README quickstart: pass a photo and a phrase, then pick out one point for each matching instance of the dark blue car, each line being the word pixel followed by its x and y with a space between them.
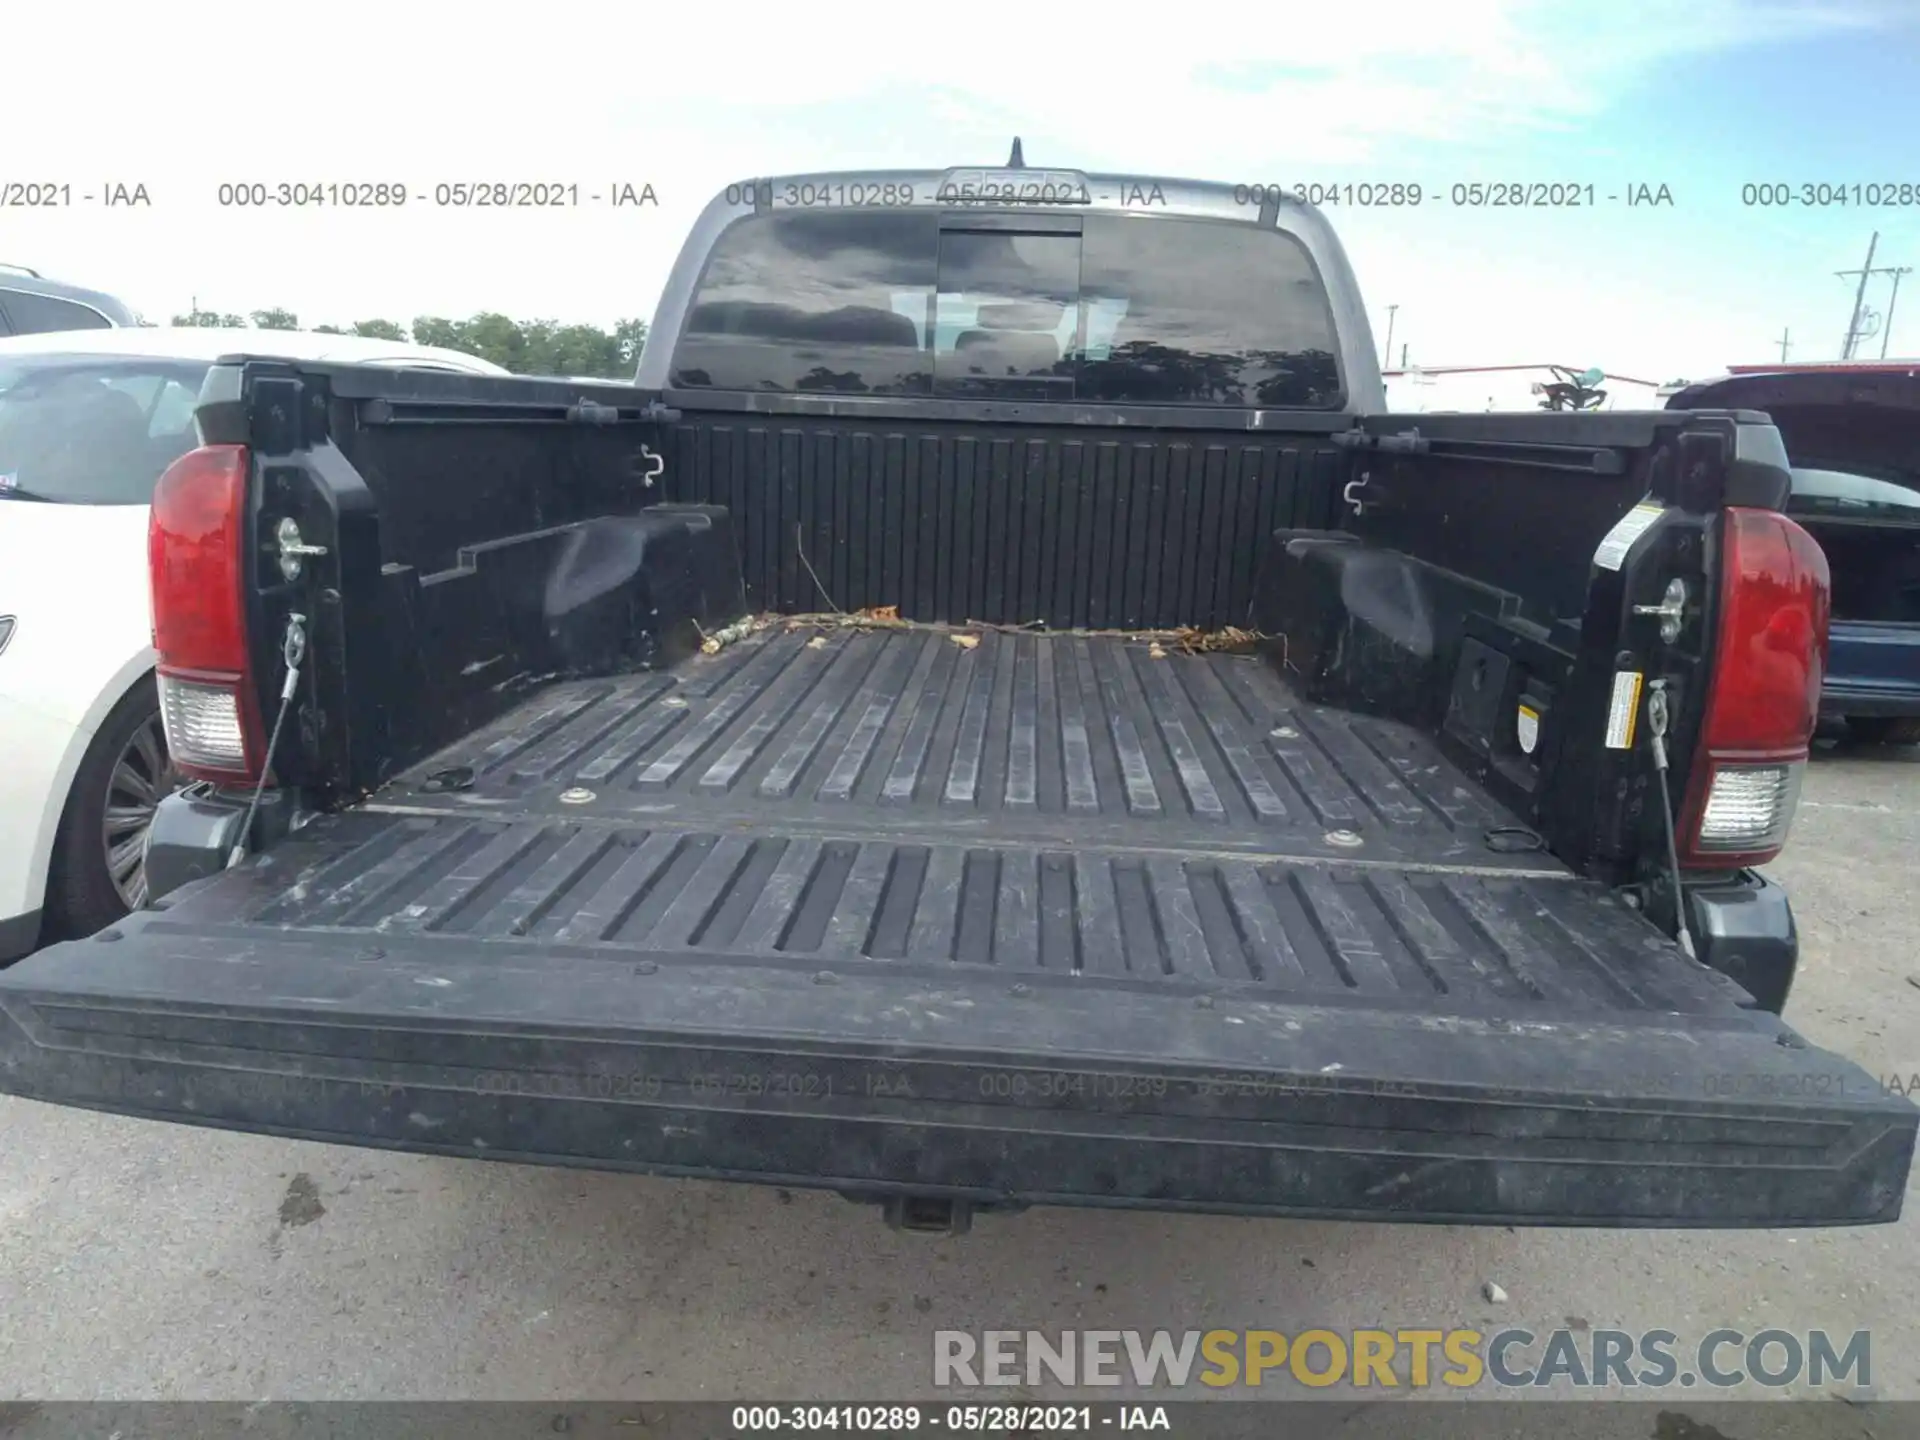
pixel 1852 433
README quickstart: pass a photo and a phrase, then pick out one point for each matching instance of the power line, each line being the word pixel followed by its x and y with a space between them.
pixel 1887 332
pixel 1857 328
pixel 1859 296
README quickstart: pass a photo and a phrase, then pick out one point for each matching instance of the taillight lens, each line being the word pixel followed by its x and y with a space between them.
pixel 194 558
pixel 1748 809
pixel 204 726
pixel 1765 697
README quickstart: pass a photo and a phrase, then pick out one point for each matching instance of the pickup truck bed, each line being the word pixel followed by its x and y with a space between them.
pixel 1036 895
pixel 1375 922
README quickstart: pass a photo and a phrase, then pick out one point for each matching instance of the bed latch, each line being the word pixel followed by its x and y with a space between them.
pixel 656 464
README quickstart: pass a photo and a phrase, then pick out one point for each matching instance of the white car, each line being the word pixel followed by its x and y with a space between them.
pixel 88 420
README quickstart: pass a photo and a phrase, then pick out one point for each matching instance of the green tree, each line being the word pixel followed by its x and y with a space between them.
pixel 578 350
pixel 437 330
pixel 505 342
pixel 209 320
pixel 536 348
pixel 526 347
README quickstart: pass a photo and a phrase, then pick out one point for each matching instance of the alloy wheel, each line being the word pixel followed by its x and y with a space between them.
pixel 142 776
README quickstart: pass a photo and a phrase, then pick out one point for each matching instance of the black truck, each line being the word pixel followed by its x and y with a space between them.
pixel 994 715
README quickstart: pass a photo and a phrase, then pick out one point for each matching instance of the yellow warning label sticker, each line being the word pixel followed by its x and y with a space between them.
pixel 1624 711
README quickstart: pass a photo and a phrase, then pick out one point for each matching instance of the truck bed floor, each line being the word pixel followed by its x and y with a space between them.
pixel 1065 808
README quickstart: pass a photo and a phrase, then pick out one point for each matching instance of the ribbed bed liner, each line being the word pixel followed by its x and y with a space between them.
pixel 1067 740
pixel 1068 809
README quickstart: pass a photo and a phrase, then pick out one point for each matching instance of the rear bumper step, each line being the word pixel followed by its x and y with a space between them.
pixel 890 1085
pixel 1892 698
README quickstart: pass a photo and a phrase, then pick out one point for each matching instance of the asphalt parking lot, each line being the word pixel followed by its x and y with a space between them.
pixel 144 1260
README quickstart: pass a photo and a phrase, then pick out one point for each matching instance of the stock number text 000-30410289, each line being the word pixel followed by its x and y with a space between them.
pixel 442 195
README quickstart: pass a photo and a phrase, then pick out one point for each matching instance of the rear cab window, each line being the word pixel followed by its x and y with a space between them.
pixel 1848 493
pixel 1866 517
pixel 835 302
pixel 1096 308
pixel 93 430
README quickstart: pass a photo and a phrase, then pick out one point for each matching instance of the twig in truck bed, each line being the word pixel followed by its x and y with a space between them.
pixel 800 546
pixel 1186 640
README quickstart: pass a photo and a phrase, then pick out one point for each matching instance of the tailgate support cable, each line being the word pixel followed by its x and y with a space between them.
pixel 1657 739
pixel 293 650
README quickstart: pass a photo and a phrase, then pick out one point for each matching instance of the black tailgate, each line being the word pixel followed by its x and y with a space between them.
pixel 1342 1079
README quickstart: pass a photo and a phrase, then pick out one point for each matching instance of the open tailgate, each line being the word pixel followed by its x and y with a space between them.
pixel 736 1024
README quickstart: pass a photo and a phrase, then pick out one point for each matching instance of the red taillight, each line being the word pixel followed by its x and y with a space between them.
pixel 194 559
pixel 1765 698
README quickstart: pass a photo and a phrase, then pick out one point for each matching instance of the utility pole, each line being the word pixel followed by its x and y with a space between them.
pixel 1785 344
pixel 1887 329
pixel 1392 311
pixel 1859 298
pixel 1856 325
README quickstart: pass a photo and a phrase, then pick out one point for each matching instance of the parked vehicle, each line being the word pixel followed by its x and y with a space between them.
pixel 1852 433
pixel 31 304
pixel 1480 389
pixel 88 421
pixel 513 834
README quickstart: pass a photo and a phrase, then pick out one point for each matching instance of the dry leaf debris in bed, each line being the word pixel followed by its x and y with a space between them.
pixel 1188 640
pixel 1192 640
pixel 874 617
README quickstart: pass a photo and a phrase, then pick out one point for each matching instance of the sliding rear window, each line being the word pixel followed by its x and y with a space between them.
pixel 1850 493
pixel 1107 309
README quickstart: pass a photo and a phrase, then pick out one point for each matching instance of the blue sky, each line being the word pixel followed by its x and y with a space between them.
pixel 1702 97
